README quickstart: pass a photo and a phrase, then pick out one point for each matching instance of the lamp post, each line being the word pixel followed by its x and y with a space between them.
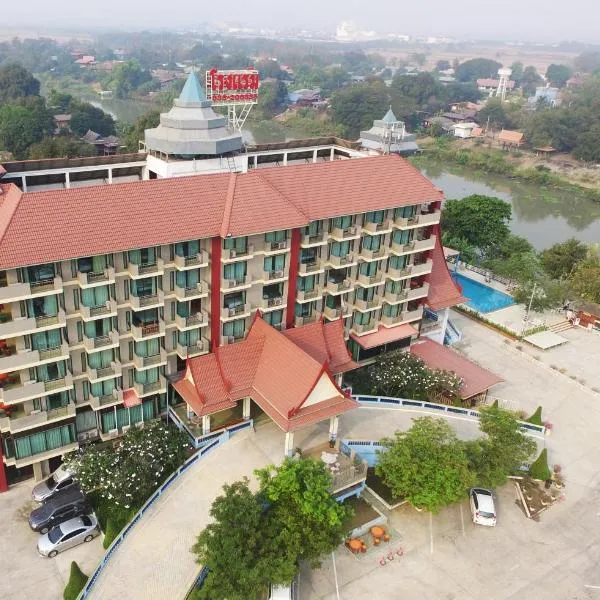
pixel 526 318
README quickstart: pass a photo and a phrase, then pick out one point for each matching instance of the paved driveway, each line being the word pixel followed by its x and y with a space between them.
pixel 25 574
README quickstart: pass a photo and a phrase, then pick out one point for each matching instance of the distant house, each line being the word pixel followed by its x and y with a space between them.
pixel 510 139
pixel 61 123
pixel 446 79
pixel 490 85
pixel 464 116
pixel 305 97
pixel 86 61
pixel 389 135
pixel 105 146
pixel 464 130
pixel 166 77
pixel 447 124
pixel 588 316
pixel 550 95
pixel 576 81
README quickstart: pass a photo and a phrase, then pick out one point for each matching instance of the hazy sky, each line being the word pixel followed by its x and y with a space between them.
pixel 507 19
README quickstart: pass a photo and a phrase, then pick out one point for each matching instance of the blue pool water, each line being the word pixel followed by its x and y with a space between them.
pixel 482 298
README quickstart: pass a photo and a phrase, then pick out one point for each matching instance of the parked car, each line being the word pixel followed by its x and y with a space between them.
pixel 482 507
pixel 59 508
pixel 61 479
pixel 68 534
pixel 285 592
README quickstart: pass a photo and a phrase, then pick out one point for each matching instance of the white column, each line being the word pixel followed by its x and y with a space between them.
pixel 332 153
pixel 190 413
pixel 38 472
pixel 110 176
pixel 315 155
pixel 205 424
pixel 338 379
pixel 255 157
pixel 289 443
pixel 67 180
pixel 24 183
pixel 333 427
pixel 246 407
pixel 285 156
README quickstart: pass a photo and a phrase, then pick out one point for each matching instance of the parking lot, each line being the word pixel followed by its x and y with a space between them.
pixel 25 573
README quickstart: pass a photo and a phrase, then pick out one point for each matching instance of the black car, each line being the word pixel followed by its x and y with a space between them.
pixel 61 507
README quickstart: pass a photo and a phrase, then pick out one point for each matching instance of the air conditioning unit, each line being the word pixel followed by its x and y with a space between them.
pixel 230 339
pixel 349 257
pixel 126 428
pixel 346 283
pixel 352 230
pixel 113 432
pixel 232 253
pixel 107 305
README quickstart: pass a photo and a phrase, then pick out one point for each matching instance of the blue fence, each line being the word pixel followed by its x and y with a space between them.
pixel 223 437
pixel 387 402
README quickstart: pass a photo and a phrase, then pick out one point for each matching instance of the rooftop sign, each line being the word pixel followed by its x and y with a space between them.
pixel 232 87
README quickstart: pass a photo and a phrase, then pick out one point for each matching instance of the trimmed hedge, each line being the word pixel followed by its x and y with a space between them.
pixel 77 579
pixel 539 469
pixel 536 417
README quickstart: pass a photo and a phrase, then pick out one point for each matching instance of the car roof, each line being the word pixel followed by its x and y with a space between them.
pixel 485 500
pixel 72 525
pixel 70 494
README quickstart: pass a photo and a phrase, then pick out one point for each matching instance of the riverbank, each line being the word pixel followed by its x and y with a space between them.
pixel 513 165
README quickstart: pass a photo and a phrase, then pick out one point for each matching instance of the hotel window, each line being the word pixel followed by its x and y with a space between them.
pixel 341 222
pixel 147 348
pixel 143 287
pixel 39 273
pixel 148 376
pixel 275 236
pixel 92 264
pixel 235 271
pixel 275 290
pixel 340 248
pixel 398 262
pixel 372 242
pixel 144 256
pixel 308 256
pixel 235 329
pixel 405 212
pixel 145 317
pixel 95 297
pixel 189 338
pixel 102 388
pixel 394 287
pixel 188 279
pixel 46 340
pixel 402 237
pixel 360 318
pixel 274 263
pixel 392 310
pixel 187 249
pixel 44 441
pixel 365 294
pixel 49 372
pixel 240 244
pixel 274 318
pixel 101 360
pixel 375 216
pixel 314 228
pixel 46 306
pixel 368 269
pixel 234 300
pixel 306 284
pixel 304 310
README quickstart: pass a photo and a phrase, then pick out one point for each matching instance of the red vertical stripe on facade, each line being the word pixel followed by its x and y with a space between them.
pixel 3 481
pixel 215 294
pixel 292 281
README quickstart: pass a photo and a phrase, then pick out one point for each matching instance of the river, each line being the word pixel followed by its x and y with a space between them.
pixel 542 215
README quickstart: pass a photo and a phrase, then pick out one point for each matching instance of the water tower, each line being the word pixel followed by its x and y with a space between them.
pixel 503 83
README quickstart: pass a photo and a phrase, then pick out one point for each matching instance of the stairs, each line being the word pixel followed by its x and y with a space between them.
pixel 562 326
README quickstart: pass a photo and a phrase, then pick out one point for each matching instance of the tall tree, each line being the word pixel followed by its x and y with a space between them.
pixel 586 278
pixel 560 260
pixel 133 134
pixel 23 124
pixel 477 68
pixel 60 146
pixel 85 116
pixel 427 465
pixel 17 82
pixel 480 220
pixel 494 111
pixel 356 107
pixel 517 72
pixel 558 75
pixel 531 80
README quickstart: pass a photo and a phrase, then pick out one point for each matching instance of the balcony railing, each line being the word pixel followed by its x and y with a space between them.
pixel 30 389
pixel 231 312
pixel 337 233
pixel 236 282
pixel 363 328
pixel 108 309
pixel 384 226
pixel 92 279
pixel 404 317
pixel 270 247
pixel 195 261
pixel 146 270
pixel 414 246
pixel 101 342
pixel 146 362
pixel 268 303
pixel 273 275
pixel 22 421
pixel 421 220
pixel 102 373
pixel 233 339
pixel 368 254
pixel 313 266
pixel 314 240
pixel 202 346
pixel 305 295
pixel 336 313
pixel 233 254
pixel 410 270
pixel 200 290
pixel 300 321
pixel 340 287
pixel 148 330
pixel 23 325
pixel 98 402
pixel 147 389
pixel 30 358
pixel 20 291
pixel 150 301
pixel 369 280
pixel 198 319
pixel 341 261
pixel 367 304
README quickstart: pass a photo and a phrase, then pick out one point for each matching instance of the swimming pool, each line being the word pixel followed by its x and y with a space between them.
pixel 482 298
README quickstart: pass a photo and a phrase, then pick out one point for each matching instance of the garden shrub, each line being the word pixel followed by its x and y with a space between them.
pixel 536 417
pixel 539 469
pixel 77 579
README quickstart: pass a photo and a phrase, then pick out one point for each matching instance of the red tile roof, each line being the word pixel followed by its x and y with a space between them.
pixel 101 219
pixel 476 379
pixel 269 367
pixel 130 398
pixel 384 335
pixel 443 291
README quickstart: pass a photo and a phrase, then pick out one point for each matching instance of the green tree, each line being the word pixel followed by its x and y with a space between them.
pixel 517 72
pixel 521 267
pixel 427 465
pixel 86 117
pixel 17 82
pixel 356 107
pixel 418 58
pixel 272 97
pixel 477 68
pixel 531 80
pixel 61 146
pixel 133 134
pixel 494 111
pixel 539 468
pixel 560 260
pixel 442 65
pixel 419 90
pixel 126 77
pixel 587 62
pixel 542 293
pixel 23 124
pixel 587 147
pixel 480 220
pixel 59 101
pixel 586 278
pixel 502 451
pixel 76 583
pixel 127 474
pixel 558 75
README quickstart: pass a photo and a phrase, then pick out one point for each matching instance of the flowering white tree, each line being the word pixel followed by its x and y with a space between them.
pixel 128 472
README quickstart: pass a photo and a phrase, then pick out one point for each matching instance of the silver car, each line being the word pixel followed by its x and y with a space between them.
pixel 68 534
pixel 60 480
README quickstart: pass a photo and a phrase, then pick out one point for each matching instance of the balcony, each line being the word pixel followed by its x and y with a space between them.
pixel 102 342
pixel 229 255
pixel 417 292
pixel 24 325
pixel 90 313
pixel 147 389
pixel 275 247
pixel 309 295
pixel 237 283
pixel 422 220
pixel 19 420
pixel 370 280
pixel 338 262
pixel 153 270
pixel 148 330
pixel 24 359
pixel 414 246
pixel 268 304
pixel 363 328
pixel 200 290
pixel 104 373
pixel 318 239
pixel 404 317
pixel 236 312
pixel 20 392
pixel 143 302
pixel 147 362
pixel 337 313
pixel 300 321
pixel 199 319
pixel 367 305
pixel 347 233
pixel 202 346
pixel 14 292
pixel 339 287
pixel 379 228
pixel 410 271
pixel 272 276
pixel 199 260
pixel 233 339
pixel 310 268
pixel 98 402
pixel 370 255
pixel 93 279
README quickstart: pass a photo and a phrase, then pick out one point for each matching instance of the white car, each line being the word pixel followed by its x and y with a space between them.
pixel 68 534
pixel 61 479
pixel 482 507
